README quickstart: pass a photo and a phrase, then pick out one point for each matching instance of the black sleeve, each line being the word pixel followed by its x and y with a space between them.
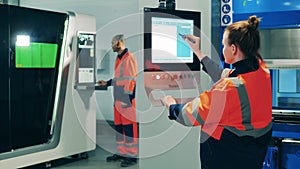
pixel 175 113
pixel 213 69
pixel 109 82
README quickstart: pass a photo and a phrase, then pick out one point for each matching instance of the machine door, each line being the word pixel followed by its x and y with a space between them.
pixel 29 65
pixel 4 84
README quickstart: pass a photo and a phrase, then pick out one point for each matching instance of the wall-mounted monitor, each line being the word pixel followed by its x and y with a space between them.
pixel 164 47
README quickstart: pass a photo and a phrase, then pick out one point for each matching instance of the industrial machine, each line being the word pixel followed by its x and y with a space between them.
pixel 280 34
pixel 169 63
pixel 170 68
pixel 283 58
pixel 47 88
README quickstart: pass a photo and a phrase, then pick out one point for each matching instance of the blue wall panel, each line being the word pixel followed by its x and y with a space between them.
pixel 249 6
pixel 274 13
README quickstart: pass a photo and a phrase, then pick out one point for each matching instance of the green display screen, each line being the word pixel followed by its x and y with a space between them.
pixel 36 55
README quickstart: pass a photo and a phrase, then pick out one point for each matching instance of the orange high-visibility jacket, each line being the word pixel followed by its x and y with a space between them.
pixel 125 74
pixel 242 105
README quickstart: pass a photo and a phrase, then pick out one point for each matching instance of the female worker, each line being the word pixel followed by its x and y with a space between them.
pixel 236 113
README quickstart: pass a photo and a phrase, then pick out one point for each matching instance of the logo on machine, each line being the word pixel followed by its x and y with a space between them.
pixel 173 86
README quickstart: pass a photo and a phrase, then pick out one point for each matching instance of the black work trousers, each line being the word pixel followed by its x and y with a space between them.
pixel 233 152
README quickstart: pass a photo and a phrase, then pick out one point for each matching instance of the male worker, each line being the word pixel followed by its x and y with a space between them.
pixel 124 82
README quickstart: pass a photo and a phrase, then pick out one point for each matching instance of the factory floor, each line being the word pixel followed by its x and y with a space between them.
pixel 105 139
pixel 96 159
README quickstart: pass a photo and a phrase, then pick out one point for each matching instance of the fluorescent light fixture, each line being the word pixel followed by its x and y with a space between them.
pixel 23 40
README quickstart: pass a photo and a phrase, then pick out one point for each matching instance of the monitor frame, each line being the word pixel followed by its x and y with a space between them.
pixel 175 14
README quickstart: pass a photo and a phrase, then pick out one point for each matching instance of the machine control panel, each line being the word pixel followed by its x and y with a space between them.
pixel 172 77
pixel 85 67
pixel 182 85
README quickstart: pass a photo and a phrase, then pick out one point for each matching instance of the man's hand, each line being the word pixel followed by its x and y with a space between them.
pixel 102 83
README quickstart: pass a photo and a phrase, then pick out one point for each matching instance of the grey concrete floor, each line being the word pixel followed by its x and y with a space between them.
pixel 96 160
pixel 106 146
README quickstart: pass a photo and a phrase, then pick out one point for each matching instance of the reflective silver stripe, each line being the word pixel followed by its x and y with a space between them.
pixel 195 113
pixel 246 114
pixel 225 72
pixel 121 66
pixel 244 103
pixel 186 120
pixel 131 145
pixel 127 92
pixel 131 155
pixel 124 78
pixel 121 69
pixel 120 144
pixel 254 133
